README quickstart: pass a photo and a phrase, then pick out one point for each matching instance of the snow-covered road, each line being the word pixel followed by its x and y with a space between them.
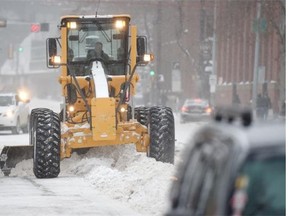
pixel 68 195
pixel 105 181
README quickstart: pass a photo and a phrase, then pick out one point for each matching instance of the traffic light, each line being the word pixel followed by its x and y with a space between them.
pixel 44 27
pixel 152 73
pixel 35 27
pixel 20 49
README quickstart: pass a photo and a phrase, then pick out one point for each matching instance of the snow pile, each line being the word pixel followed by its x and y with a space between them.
pixel 120 173
pixel 24 168
pixel 125 175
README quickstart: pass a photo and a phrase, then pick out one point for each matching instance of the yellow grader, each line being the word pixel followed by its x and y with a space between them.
pixel 98 89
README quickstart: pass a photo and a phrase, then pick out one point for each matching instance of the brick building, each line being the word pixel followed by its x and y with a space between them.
pixel 187 38
pixel 236 28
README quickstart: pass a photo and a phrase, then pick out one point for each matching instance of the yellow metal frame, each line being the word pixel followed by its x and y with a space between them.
pixel 108 127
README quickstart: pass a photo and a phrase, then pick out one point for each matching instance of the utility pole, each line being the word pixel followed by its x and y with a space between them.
pixel 213 76
pixel 155 91
pixel 256 58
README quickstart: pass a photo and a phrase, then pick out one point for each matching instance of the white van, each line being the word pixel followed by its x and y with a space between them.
pixel 14 113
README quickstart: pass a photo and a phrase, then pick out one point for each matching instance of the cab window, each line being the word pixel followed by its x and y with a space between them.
pixel 207 163
pixel 82 43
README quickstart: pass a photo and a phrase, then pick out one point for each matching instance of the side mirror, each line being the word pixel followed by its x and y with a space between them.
pixel 141 45
pixel 51 53
pixel 52 47
pixel 142 57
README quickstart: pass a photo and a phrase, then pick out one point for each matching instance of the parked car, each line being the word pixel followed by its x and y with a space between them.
pixel 232 169
pixel 195 109
pixel 14 112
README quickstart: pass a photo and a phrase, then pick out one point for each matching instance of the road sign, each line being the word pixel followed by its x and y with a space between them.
pixel 212 79
pixel 261 74
pixel 212 82
pixel 161 78
pixel 176 81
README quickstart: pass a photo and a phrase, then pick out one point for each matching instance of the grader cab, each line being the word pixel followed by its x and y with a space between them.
pixel 98 89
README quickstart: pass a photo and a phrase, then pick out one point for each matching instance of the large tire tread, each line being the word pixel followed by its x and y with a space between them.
pixel 34 113
pixel 162 134
pixel 45 135
pixel 141 115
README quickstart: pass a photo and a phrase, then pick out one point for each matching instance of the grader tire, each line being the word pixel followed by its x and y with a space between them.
pixel 141 115
pixel 162 134
pixel 34 113
pixel 45 135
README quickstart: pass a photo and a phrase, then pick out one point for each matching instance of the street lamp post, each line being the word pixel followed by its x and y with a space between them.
pixel 256 58
pixel 213 76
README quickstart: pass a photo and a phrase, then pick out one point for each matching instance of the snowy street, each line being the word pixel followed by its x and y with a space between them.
pixel 60 196
pixel 105 181
pixel 142 107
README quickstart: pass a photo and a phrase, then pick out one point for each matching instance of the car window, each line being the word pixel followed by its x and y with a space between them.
pixel 221 154
pixel 6 101
pixel 264 188
pixel 204 177
pixel 196 102
pixel 193 178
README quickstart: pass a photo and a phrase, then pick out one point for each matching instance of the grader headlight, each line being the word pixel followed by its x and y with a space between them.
pixel 123 109
pixel 72 25
pixel 120 24
pixel 148 57
pixel 71 109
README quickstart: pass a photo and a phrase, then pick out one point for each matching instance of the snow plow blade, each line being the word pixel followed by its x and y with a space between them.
pixel 11 155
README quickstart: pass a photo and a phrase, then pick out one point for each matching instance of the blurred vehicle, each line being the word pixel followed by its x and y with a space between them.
pixel 232 169
pixel 195 109
pixel 14 112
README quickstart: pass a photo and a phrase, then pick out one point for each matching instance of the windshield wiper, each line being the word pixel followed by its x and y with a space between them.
pixel 103 32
